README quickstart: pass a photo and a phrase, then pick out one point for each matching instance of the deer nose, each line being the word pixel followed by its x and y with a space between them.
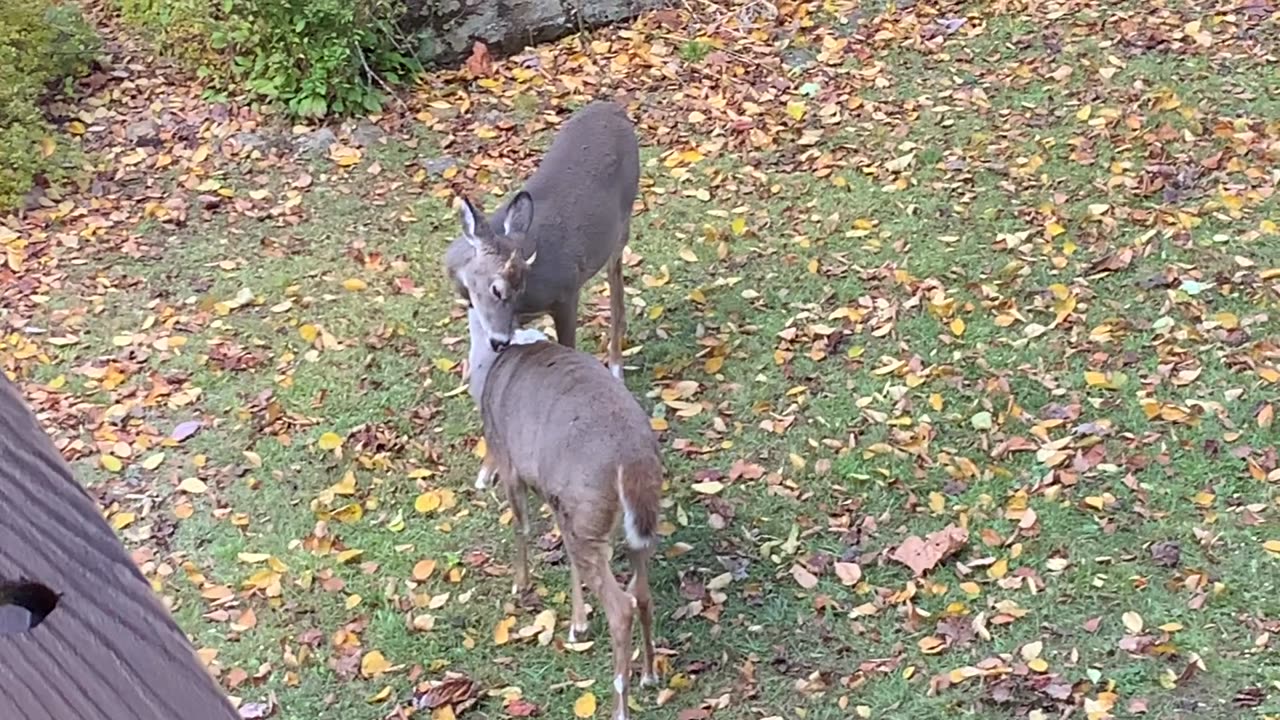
pixel 499 343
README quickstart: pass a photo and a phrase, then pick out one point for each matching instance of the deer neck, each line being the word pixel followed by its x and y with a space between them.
pixel 480 359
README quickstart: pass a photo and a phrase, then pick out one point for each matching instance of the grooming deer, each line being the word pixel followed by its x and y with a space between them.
pixel 556 419
pixel 533 255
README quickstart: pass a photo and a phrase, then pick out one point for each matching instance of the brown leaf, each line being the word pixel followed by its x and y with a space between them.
pixel 1166 553
pixel 849 573
pixel 453 691
pixel 807 580
pixel 924 555
pixel 479 64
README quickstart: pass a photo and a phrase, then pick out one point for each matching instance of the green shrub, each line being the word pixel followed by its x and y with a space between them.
pixel 40 44
pixel 315 57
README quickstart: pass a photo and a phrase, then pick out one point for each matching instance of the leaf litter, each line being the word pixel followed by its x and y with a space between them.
pixel 1088 322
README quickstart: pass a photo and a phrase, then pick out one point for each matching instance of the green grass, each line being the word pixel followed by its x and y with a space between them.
pixel 864 430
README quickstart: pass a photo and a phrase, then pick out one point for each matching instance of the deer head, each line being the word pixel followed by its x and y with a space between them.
pixel 492 278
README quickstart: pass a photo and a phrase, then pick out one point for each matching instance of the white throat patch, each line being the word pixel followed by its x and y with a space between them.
pixel 527 336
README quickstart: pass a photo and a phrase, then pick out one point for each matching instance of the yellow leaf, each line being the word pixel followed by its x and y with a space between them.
pixel 373 664
pixel 1272 546
pixel 502 631
pixel 347 556
pixel 111 463
pixel 349 513
pixel 381 696
pixel 153 461
pixel 427 502
pixel 1095 379
pixel 935 402
pixel 444 364
pixel 796 110
pixel 309 332
pixel 195 486
pixel 709 487
pixel 998 569
pixel 330 441
pixel 1083 113
pixel 1038 665
pixel 957 327
pixel 738 226
pixel 661 279
pixel 120 521
pixel 201 154
pixel 47 146
pixel 481 449
pixel 687 255
pixel 585 706
pixel 354 284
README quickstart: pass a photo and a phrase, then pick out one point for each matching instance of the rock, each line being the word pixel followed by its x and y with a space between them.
pixel 449 27
pixel 315 142
pixel 794 57
pixel 437 165
pixel 367 134
pixel 250 140
pixel 143 132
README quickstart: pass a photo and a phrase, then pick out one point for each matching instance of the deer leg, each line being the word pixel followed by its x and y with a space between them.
pixel 578 625
pixel 644 608
pixel 487 470
pixel 593 556
pixel 617 315
pixel 519 499
pixel 565 316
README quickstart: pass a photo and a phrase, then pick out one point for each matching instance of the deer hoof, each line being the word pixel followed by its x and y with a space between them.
pixel 648 680
pixel 616 369
pixel 483 477
pixel 577 633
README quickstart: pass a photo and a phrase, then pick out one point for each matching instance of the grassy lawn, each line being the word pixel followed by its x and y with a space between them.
pixel 1013 268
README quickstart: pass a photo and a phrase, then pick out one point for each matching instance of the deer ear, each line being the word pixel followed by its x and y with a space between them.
pixel 519 214
pixel 472 218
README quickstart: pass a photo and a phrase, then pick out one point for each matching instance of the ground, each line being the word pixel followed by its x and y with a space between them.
pixel 1004 272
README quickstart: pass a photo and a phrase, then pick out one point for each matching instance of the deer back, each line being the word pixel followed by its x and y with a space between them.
pixel 564 423
pixel 583 192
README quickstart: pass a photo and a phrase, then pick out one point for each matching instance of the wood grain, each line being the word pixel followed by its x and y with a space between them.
pixel 109 649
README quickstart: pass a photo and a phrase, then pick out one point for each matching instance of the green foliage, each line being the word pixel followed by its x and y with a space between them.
pixel 695 51
pixel 40 44
pixel 315 57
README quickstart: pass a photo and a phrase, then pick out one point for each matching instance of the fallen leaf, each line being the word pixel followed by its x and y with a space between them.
pixel 373 664
pixel 922 555
pixel 807 580
pixel 585 706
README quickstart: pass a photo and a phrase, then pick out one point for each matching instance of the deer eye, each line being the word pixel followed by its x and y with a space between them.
pixel 497 293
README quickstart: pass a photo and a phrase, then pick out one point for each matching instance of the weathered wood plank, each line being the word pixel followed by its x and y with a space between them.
pixel 108 649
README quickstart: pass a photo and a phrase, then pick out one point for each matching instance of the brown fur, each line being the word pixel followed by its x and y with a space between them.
pixel 556 420
pixel 575 218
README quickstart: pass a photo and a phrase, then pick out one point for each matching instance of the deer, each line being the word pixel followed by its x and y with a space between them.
pixel 532 256
pixel 555 420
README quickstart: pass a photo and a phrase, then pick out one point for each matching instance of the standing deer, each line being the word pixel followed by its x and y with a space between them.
pixel 533 255
pixel 555 419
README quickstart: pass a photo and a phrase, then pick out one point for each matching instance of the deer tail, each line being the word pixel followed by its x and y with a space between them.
pixel 639 491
